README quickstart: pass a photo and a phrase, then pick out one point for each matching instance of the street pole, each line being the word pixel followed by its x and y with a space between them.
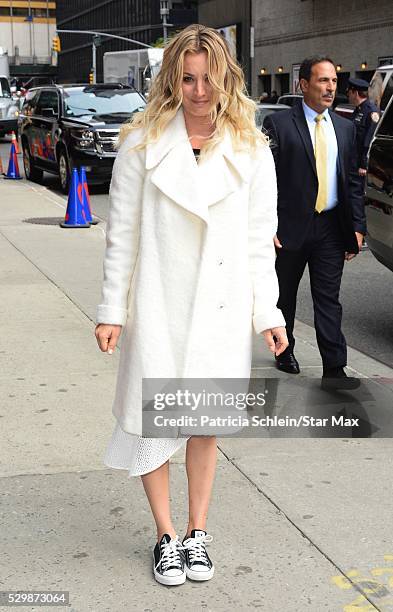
pixel 252 48
pixel 165 30
pixel 164 12
pixel 94 62
pixel 136 42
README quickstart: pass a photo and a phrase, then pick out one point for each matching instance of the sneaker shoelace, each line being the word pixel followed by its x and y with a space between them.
pixel 196 548
pixel 170 555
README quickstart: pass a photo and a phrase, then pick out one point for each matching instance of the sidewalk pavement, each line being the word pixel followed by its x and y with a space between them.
pixel 298 524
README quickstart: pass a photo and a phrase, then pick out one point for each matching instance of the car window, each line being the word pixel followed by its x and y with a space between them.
pixel 290 100
pixel 386 127
pixel 48 99
pixel 5 91
pixel 387 94
pixel 262 113
pixel 376 86
pixel 30 102
pixel 82 101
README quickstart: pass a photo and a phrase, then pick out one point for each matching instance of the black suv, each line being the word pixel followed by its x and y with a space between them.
pixel 379 190
pixel 66 126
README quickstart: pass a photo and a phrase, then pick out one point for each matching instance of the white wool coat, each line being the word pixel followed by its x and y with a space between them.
pixel 189 262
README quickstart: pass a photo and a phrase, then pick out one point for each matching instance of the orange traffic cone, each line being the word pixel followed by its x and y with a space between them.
pixel 15 141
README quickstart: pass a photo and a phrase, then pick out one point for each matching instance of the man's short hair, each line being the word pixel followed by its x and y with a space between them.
pixel 307 64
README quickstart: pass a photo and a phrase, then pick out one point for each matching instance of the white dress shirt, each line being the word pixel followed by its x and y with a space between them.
pixel 327 126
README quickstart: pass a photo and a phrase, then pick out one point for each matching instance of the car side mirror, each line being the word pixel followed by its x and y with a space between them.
pixel 48 112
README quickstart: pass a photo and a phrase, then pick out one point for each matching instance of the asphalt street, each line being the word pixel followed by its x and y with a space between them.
pixel 366 293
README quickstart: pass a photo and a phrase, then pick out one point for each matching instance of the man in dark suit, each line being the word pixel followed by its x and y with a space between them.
pixel 321 220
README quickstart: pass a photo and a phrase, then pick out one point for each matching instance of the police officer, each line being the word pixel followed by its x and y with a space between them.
pixel 366 116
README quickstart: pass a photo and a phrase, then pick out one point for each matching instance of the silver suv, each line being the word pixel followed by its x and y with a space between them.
pixel 8 108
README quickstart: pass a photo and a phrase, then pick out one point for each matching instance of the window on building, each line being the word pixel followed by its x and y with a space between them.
pixel 186 4
pixel 43 12
pixel 39 12
pixel 20 12
pixel 5 10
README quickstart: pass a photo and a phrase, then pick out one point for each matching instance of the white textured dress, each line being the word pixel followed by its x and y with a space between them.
pixel 139 455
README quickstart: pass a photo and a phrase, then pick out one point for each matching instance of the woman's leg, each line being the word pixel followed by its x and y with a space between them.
pixel 156 485
pixel 201 457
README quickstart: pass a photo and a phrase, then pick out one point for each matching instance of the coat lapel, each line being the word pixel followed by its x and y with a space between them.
pixel 193 186
pixel 301 124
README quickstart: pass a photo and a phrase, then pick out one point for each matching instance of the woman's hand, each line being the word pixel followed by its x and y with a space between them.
pixel 107 337
pixel 276 339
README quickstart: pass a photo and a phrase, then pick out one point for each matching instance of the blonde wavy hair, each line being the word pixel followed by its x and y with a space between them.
pixel 231 108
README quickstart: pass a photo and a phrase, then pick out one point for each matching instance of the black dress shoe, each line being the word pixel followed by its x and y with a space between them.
pixel 336 379
pixel 287 362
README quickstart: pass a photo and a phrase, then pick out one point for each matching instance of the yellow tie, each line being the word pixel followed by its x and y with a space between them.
pixel 321 162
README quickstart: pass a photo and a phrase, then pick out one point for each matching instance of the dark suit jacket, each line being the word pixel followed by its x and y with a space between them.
pixel 298 182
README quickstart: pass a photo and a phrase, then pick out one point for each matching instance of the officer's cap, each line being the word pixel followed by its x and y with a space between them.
pixel 358 84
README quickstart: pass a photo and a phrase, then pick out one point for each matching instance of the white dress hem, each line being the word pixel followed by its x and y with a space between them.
pixel 139 455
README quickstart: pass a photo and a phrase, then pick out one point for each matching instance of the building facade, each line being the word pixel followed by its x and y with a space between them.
pixel 136 19
pixel 356 34
pixel 27 28
pixel 233 19
pixel 274 36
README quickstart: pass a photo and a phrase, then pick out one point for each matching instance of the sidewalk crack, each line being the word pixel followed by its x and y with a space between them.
pixel 302 533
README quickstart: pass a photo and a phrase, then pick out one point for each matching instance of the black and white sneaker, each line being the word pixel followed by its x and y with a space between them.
pixel 168 561
pixel 198 563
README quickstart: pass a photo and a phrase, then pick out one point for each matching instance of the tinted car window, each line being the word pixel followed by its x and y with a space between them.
pixel 376 86
pixel 387 94
pixel 5 91
pixel 30 102
pixel 47 99
pixel 386 127
pixel 82 101
pixel 290 100
pixel 262 113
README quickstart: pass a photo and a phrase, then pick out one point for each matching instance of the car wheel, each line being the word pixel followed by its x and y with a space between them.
pixel 64 171
pixel 32 173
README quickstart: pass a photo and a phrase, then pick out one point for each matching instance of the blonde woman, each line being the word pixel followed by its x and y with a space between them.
pixel 188 269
